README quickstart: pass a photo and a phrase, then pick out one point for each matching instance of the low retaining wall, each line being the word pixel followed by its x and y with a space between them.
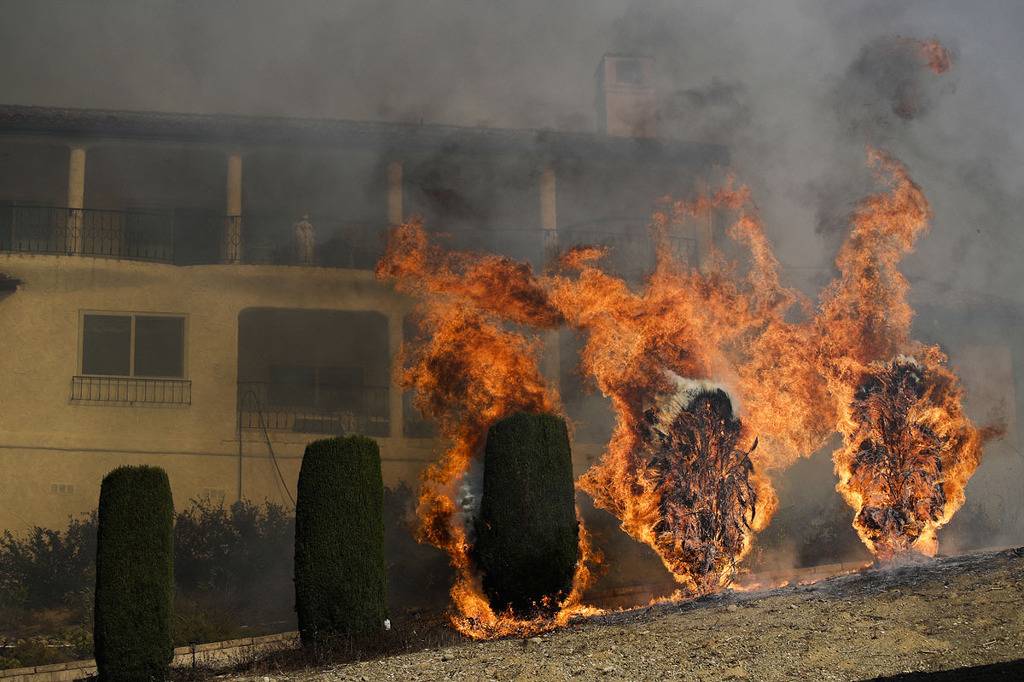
pixel 213 654
pixel 223 654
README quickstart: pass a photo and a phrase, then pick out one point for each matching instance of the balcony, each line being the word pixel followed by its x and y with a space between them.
pixel 199 237
pixel 132 235
pixel 269 239
pixel 185 237
pixel 306 409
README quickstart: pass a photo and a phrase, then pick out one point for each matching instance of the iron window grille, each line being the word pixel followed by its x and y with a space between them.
pixel 131 391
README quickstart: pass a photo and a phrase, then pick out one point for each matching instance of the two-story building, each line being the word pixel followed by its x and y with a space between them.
pixel 196 291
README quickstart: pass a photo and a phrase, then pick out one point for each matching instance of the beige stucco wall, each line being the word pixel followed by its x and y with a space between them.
pixel 46 439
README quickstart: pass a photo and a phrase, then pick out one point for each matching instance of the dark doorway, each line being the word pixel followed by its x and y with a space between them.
pixel 313 371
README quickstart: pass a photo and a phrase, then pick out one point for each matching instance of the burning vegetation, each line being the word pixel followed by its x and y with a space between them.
pixel 903 449
pixel 908 449
pixel 468 371
pixel 704 482
pixel 688 467
pixel 680 471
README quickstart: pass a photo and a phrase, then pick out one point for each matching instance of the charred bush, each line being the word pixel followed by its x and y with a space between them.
pixel 134 575
pixel 704 483
pixel 898 462
pixel 340 572
pixel 527 533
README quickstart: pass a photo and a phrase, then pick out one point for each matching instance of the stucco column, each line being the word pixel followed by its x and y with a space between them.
pixel 396 416
pixel 704 227
pixel 396 214
pixel 549 211
pixel 552 361
pixel 233 221
pixel 76 199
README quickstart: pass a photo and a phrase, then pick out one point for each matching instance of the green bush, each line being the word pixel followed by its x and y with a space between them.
pixel 233 568
pixel 419 575
pixel 339 541
pixel 527 533
pixel 134 575
pixel 236 559
pixel 46 568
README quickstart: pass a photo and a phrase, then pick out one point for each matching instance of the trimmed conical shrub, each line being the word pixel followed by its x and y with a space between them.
pixel 527 533
pixel 134 575
pixel 339 541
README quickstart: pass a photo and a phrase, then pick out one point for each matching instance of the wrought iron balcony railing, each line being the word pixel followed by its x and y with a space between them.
pixel 631 253
pixel 203 237
pixel 187 237
pixel 131 390
pixel 270 239
pixel 135 235
pixel 312 409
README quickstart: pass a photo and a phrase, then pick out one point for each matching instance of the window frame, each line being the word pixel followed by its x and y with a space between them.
pixel 184 317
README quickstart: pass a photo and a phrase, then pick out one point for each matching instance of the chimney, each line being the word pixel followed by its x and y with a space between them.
pixel 626 101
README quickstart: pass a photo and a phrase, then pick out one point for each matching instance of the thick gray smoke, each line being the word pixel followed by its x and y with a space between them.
pixel 795 88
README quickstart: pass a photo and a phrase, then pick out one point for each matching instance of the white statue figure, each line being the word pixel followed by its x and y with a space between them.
pixel 304 241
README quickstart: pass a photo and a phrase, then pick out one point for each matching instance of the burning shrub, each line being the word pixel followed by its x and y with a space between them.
pixel 903 457
pixel 908 448
pixel 339 541
pixel 527 533
pixel 704 485
pixel 134 575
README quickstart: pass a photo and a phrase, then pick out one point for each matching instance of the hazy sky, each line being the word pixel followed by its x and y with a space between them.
pixel 765 77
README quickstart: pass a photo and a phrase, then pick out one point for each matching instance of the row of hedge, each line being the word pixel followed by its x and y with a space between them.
pixel 526 545
pixel 233 566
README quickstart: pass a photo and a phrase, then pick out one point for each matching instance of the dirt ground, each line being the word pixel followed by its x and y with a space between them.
pixel 936 615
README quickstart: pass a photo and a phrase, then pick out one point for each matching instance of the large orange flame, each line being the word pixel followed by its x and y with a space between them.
pixel 698 323
pixel 684 322
pixel 908 449
pixel 468 372
pixel 676 355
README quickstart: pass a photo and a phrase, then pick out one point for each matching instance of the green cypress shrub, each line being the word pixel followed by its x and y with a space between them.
pixel 527 533
pixel 340 579
pixel 134 575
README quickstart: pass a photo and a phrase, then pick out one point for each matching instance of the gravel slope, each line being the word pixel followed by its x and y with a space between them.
pixel 935 615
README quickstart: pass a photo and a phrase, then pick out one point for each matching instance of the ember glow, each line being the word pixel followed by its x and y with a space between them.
pixel 933 53
pixel 910 454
